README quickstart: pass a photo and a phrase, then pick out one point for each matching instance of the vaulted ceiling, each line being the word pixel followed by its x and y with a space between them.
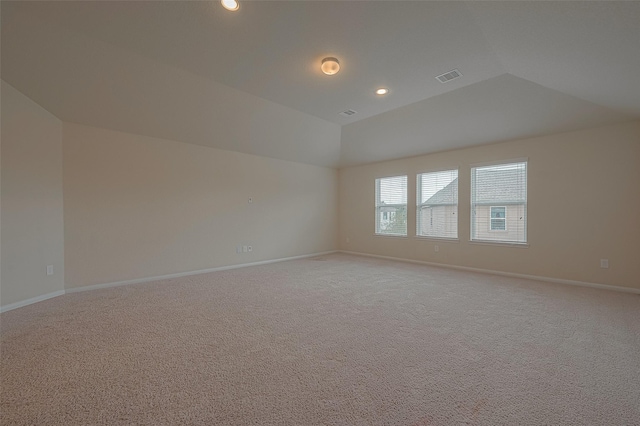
pixel 184 70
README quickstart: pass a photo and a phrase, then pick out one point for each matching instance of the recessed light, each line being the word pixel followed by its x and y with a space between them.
pixel 382 91
pixel 231 5
pixel 330 66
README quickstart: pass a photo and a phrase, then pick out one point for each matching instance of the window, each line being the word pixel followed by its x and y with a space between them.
pixel 391 205
pixel 499 202
pixel 437 204
pixel 498 219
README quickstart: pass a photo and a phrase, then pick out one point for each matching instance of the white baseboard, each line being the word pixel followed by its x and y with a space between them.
pixel 264 262
pixel 148 279
pixel 185 274
pixel 26 302
pixel 506 274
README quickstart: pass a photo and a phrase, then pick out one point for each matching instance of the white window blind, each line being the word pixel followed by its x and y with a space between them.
pixel 391 205
pixel 499 203
pixel 437 199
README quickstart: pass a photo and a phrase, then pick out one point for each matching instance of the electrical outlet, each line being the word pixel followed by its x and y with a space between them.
pixel 239 249
pixel 245 249
pixel 436 248
pixel 250 200
pixel 604 263
pixel 249 248
pixel 49 269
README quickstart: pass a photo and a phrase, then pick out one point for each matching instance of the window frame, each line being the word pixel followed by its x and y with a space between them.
pixel 420 204
pixel 473 206
pixel 399 206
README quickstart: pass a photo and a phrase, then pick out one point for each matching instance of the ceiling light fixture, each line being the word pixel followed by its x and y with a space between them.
pixel 382 91
pixel 330 66
pixel 231 5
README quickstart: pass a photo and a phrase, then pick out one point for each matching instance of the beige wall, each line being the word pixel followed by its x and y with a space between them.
pixel 31 193
pixel 583 206
pixel 138 207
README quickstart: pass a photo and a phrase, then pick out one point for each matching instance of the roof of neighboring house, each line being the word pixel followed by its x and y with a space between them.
pixel 492 186
pixel 504 186
pixel 446 196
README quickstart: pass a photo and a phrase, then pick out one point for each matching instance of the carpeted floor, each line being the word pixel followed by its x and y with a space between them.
pixel 336 340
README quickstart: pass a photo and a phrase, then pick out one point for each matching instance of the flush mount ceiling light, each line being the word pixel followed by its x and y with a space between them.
pixel 231 5
pixel 330 66
pixel 382 91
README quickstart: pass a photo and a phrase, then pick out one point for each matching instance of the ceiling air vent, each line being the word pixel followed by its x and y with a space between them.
pixel 448 76
pixel 347 113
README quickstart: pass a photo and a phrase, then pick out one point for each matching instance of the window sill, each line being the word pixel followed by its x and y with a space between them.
pixel 390 235
pixel 498 243
pixel 424 237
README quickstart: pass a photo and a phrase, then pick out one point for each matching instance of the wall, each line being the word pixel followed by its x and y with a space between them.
pixel 138 207
pixel 583 206
pixel 32 212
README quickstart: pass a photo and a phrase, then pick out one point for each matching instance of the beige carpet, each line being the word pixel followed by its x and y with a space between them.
pixel 337 340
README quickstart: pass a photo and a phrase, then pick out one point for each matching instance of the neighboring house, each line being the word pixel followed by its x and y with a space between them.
pixel 392 219
pixel 387 214
pixel 438 215
pixel 500 208
pixel 500 205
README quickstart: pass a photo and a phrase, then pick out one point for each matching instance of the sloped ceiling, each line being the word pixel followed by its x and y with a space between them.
pixel 250 81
